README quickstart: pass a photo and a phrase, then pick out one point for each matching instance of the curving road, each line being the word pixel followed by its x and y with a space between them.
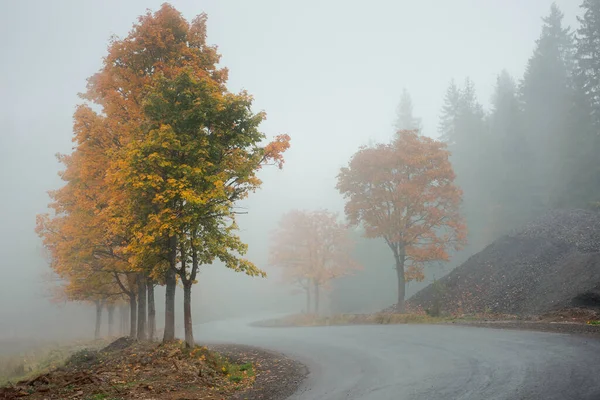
pixel 399 362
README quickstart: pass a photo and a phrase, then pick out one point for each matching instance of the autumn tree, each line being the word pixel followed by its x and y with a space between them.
pixel 78 279
pixel 82 249
pixel 404 192
pixel 161 155
pixel 312 248
pixel 200 154
pixel 160 44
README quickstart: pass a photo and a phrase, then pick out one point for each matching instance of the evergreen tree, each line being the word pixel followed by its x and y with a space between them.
pixel 508 158
pixel 405 119
pixel 587 54
pixel 547 94
pixel 462 126
pixel 449 117
pixel 470 125
pixel 583 169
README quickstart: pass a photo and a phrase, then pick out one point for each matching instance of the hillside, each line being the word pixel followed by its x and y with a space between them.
pixel 551 264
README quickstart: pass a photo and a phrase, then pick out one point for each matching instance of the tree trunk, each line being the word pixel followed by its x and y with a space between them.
pixel 98 319
pixel 121 320
pixel 111 319
pixel 127 318
pixel 171 284
pixel 151 311
pixel 124 317
pixel 187 314
pixel 142 313
pixel 400 307
pixel 132 316
pixel 307 299
pixel 316 298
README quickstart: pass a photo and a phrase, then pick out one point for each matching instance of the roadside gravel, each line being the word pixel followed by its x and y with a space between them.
pixel 277 376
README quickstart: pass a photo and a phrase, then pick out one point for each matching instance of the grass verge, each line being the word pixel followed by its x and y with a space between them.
pixel 305 320
pixel 567 316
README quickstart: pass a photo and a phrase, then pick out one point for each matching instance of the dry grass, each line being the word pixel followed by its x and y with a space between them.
pixel 381 318
pixel 352 319
pixel 39 358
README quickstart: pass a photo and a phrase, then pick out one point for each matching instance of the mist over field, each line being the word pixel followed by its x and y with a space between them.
pixel 329 74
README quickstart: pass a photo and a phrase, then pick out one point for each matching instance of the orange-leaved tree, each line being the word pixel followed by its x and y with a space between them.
pixel 161 156
pixel 312 248
pixel 404 192
pixel 83 251
pixel 161 43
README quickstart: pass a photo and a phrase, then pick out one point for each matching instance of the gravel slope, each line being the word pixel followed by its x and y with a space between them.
pixel 552 263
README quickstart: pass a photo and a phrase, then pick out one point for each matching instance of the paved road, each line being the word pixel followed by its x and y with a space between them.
pixel 399 362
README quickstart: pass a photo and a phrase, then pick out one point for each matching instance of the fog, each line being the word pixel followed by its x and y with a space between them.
pixel 329 74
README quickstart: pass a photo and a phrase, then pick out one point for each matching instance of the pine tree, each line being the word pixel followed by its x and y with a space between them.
pixel 405 119
pixel 507 158
pixel 583 179
pixel 547 96
pixel 470 124
pixel 449 117
pixel 588 56
pixel 462 126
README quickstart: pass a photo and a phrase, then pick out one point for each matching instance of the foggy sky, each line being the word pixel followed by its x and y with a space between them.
pixel 329 73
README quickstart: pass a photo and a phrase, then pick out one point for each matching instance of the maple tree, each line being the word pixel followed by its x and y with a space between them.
pixel 161 43
pixel 199 156
pixel 80 245
pixel 154 176
pixel 312 248
pixel 404 192
pixel 202 143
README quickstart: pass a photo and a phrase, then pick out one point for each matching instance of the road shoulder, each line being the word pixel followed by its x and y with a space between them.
pixel 553 327
pixel 277 376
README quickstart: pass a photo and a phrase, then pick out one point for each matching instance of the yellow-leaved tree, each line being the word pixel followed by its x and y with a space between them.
pixel 156 170
pixel 200 153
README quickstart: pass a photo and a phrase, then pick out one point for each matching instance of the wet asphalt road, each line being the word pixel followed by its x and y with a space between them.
pixel 427 362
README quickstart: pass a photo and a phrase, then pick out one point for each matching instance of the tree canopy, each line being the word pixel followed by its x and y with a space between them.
pixel 404 192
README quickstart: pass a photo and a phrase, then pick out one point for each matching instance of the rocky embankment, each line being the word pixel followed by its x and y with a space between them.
pixel 549 265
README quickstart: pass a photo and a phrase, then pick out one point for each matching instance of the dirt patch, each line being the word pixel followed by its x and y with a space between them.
pixel 119 344
pixel 277 376
pixel 143 370
pixel 551 264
